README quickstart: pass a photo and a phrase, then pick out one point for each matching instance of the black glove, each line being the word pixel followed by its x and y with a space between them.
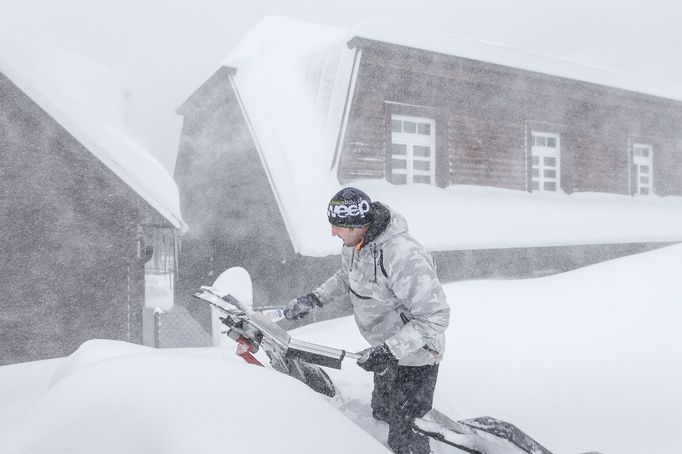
pixel 301 306
pixel 377 359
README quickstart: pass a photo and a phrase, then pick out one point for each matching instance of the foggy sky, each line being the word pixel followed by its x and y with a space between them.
pixel 165 49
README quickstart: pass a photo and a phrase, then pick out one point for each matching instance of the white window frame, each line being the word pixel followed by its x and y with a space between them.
pixel 411 140
pixel 543 154
pixel 159 269
pixel 643 158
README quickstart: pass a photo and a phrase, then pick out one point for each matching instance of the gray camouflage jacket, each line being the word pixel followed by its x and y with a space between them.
pixel 395 293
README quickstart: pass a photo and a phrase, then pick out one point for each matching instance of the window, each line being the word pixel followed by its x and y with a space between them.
pixel 158 250
pixel 545 162
pixel 642 165
pixel 413 157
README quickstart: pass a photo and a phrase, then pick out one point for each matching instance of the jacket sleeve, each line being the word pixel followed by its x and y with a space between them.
pixel 413 279
pixel 336 287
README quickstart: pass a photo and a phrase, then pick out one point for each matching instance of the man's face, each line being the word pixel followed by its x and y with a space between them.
pixel 350 237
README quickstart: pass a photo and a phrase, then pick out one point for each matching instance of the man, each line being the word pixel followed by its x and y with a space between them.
pixel 399 306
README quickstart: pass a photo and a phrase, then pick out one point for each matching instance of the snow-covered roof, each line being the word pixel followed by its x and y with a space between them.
pixel 293 79
pixel 480 217
pixel 293 104
pixel 499 54
pixel 88 100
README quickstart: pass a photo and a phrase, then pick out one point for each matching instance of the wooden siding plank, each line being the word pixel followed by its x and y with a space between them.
pixel 485 113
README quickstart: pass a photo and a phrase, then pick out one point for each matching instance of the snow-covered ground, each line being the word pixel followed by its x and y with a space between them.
pixel 113 397
pixel 581 361
pixel 589 360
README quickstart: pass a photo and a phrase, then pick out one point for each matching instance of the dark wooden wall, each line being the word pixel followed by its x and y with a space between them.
pixel 69 270
pixel 485 113
pixel 227 201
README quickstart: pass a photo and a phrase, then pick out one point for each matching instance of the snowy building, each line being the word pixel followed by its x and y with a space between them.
pixel 504 162
pixel 90 218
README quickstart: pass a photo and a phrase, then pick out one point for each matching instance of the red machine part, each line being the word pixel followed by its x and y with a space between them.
pixel 244 349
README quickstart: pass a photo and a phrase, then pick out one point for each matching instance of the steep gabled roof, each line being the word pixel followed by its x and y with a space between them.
pixel 62 83
pixel 292 82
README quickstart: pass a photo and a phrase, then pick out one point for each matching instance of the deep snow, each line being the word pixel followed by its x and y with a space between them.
pixel 113 397
pixel 588 360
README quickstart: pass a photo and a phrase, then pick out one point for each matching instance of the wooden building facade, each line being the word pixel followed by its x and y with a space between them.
pixel 74 238
pixel 424 117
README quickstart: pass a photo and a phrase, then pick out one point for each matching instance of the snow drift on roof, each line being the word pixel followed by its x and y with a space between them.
pixel 478 217
pixel 88 100
pixel 292 80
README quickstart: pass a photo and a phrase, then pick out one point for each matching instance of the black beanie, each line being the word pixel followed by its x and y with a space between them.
pixel 350 208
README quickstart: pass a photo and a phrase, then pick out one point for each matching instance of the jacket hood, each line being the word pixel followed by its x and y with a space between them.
pixel 387 223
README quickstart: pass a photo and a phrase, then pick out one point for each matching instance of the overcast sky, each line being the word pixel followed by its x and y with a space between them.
pixel 165 49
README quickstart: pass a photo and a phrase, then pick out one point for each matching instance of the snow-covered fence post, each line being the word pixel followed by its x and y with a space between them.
pixel 157 327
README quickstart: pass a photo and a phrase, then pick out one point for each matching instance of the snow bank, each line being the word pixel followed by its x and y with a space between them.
pixel 117 398
pixel 92 352
pixel 589 360
pixel 22 384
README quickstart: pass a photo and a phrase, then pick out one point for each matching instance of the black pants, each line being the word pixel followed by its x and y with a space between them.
pixel 401 394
